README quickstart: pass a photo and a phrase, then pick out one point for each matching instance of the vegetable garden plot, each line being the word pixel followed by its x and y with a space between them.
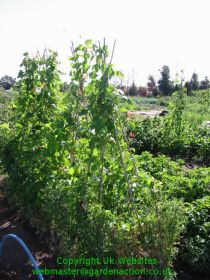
pixel 71 171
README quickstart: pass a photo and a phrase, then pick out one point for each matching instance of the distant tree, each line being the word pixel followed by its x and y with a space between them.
pixel 133 90
pixel 165 85
pixel 151 86
pixel 142 91
pixel 7 82
pixel 188 87
pixel 194 82
pixel 205 84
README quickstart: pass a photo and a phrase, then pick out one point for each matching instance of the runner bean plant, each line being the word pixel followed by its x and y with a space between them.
pixel 70 169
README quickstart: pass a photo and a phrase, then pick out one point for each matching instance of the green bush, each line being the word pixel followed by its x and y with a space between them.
pixel 196 252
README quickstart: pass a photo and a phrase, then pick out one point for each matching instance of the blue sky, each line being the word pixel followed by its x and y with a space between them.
pixel 149 33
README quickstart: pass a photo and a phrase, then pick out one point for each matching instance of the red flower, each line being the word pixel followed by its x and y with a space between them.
pixel 131 134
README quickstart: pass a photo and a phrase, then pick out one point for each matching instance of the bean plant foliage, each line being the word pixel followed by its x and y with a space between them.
pixel 70 169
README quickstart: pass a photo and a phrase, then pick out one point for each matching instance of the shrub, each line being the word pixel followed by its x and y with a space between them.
pixel 196 252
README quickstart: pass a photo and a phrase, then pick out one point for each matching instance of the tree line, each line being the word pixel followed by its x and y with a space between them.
pixel 6 82
pixel 164 86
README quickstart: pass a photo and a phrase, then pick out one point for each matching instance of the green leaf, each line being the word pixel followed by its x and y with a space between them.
pixel 129 167
pixel 119 74
pixel 123 110
pixel 4 126
pixel 71 171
